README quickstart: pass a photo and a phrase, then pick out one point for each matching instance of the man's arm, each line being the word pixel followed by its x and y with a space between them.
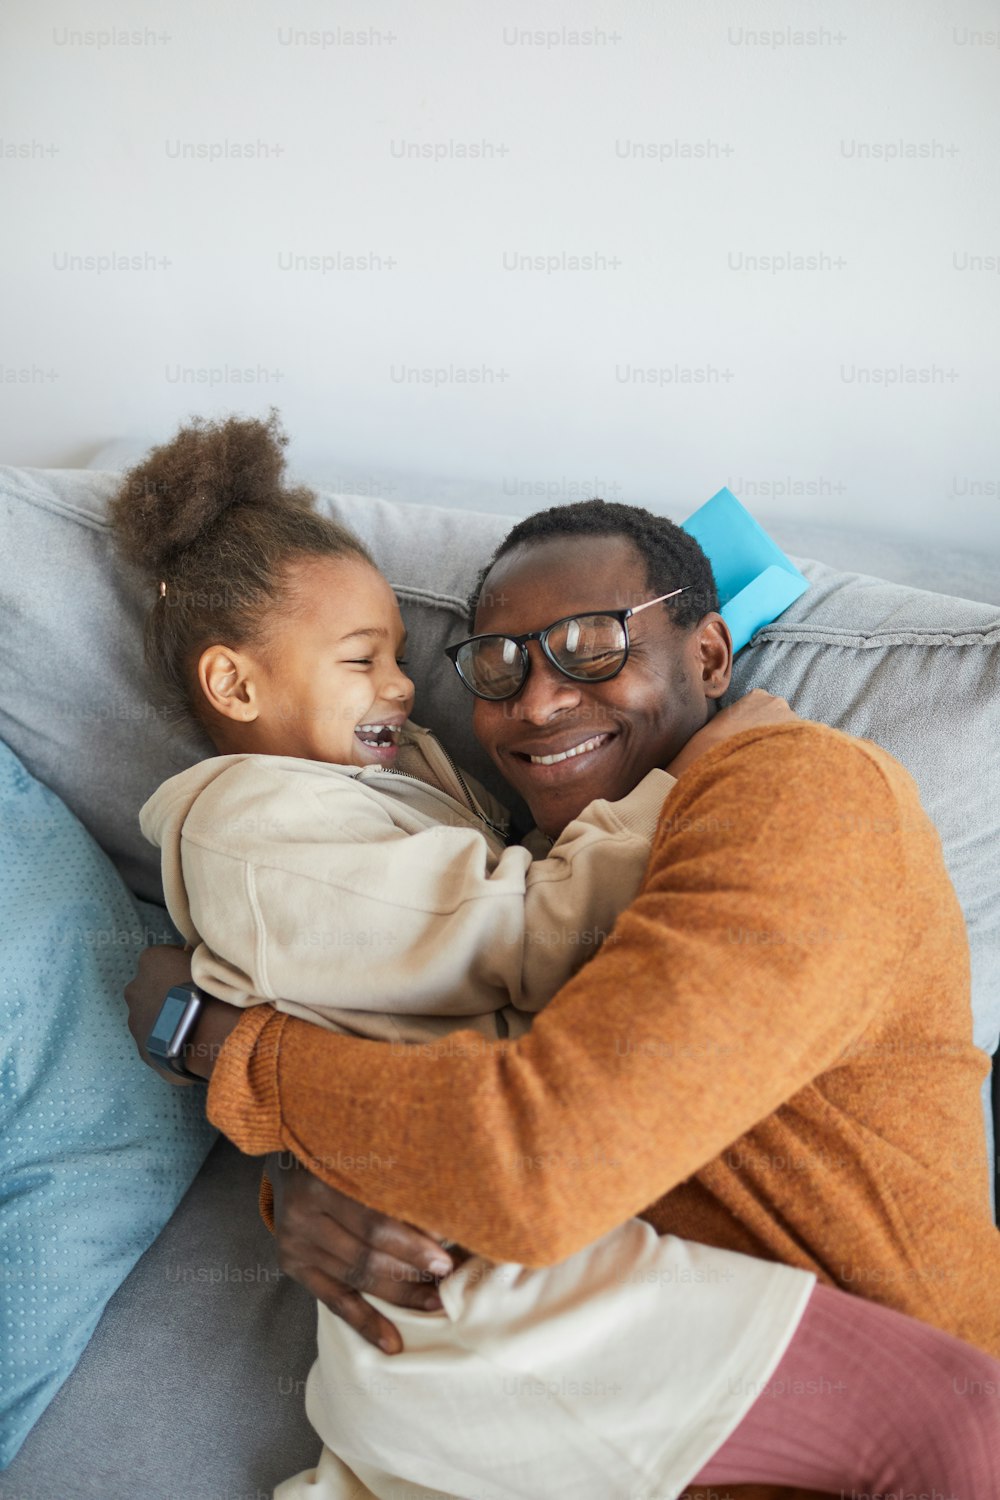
pixel 766 937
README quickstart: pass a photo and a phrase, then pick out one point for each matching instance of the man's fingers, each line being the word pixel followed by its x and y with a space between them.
pixel 368 1270
pixel 373 1233
pixel 304 1262
pixel 356 1313
pixel 336 1251
pixel 391 1239
pixel 422 1296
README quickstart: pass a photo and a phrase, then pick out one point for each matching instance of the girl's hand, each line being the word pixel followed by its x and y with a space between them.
pixel 749 712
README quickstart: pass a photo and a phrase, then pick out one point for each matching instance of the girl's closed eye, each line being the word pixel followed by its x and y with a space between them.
pixel 367 661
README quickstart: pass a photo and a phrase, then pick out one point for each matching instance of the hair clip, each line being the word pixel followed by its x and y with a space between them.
pixel 163 588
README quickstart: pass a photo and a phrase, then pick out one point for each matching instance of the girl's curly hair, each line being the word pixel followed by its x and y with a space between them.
pixel 209 519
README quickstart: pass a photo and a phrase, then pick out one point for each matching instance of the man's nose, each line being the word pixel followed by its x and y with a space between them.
pixel 546 692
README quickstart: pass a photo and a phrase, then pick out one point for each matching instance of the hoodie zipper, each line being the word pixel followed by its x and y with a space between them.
pixel 477 812
pixel 502 833
pixel 473 805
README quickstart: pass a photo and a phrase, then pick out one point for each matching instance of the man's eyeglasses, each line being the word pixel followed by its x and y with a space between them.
pixel 586 648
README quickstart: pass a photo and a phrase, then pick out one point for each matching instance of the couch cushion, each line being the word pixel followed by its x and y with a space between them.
pixel 919 674
pixel 95 1150
pixel 192 1387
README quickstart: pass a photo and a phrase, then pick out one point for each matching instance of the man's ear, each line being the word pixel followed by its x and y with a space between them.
pixel 227 679
pixel 715 654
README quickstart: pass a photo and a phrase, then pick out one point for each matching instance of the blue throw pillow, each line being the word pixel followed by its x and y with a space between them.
pixel 96 1151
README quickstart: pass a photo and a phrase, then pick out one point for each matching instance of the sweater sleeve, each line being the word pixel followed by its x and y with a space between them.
pixel 574 896
pixel 765 939
pixel 322 902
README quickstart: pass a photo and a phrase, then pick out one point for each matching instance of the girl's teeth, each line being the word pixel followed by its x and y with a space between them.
pixel 376 736
pixel 550 760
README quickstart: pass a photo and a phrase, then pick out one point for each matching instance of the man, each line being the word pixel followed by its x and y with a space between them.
pixel 772 1053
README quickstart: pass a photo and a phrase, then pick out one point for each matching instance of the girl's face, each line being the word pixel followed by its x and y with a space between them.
pixel 329 684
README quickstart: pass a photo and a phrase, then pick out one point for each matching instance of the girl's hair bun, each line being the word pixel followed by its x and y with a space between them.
pixel 209 518
pixel 175 497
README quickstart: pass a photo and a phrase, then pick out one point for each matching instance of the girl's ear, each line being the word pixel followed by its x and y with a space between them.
pixel 226 678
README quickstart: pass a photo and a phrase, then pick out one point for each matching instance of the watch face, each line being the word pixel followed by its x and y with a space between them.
pixel 167 1022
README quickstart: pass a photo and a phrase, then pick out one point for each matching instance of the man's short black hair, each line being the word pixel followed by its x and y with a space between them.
pixel 672 557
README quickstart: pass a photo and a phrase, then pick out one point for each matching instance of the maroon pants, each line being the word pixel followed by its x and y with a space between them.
pixel 869 1400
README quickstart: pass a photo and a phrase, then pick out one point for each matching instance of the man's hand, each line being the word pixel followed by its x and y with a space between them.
pixel 160 968
pixel 338 1248
pixel 749 712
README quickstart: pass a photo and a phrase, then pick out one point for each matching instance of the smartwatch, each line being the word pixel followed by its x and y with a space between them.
pixel 172 1029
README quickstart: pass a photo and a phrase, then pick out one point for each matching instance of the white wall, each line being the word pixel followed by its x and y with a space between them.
pixel 786 137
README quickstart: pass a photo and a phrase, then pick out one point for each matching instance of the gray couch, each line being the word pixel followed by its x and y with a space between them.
pixel 193 1391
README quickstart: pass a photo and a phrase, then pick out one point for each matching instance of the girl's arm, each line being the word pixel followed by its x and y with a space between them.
pixel 304 890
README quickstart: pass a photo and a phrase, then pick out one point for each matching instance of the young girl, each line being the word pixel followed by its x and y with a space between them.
pixel 332 861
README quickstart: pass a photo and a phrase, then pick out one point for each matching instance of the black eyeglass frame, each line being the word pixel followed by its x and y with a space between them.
pixel 542 637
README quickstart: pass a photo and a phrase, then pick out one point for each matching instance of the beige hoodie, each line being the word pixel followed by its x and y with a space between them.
pixel 385 903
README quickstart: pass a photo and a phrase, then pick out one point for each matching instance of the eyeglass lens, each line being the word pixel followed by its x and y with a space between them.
pixel 587 648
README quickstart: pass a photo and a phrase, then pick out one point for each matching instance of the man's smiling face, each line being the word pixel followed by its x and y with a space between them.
pixel 620 729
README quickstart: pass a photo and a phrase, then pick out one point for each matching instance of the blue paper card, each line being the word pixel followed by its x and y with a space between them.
pixel 756 581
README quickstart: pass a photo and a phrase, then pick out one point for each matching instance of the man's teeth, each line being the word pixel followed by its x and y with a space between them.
pixel 550 760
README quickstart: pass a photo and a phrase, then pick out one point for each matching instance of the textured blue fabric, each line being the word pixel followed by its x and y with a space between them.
pixel 95 1150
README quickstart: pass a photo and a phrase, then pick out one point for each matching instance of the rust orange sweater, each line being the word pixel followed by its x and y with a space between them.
pixel 773 1052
